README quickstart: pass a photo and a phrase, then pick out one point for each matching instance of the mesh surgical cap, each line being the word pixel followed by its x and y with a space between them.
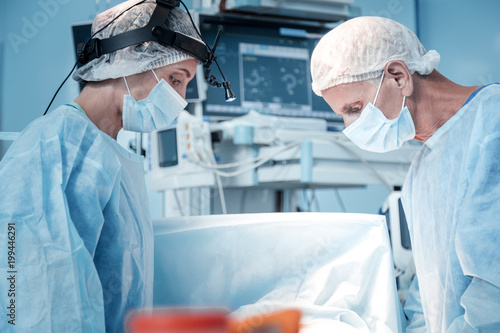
pixel 136 58
pixel 359 49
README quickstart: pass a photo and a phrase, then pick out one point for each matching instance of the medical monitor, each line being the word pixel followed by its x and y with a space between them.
pixel 267 62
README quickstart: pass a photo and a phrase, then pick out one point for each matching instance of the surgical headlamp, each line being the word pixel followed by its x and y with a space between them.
pixel 157 31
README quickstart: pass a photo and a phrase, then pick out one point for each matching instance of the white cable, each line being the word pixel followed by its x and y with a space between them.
pixel 245 170
pixel 267 156
pixel 251 167
pixel 221 194
pixel 218 180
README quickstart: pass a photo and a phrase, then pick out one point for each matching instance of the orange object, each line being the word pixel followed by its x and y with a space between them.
pixel 286 321
pixel 178 321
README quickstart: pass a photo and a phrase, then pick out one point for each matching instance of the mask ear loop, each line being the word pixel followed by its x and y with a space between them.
pixel 155 75
pixel 379 86
pixel 126 84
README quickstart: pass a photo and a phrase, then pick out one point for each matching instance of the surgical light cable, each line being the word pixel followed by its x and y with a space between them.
pixel 203 40
pixel 84 47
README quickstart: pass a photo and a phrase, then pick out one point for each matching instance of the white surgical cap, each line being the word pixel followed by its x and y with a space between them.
pixel 359 49
pixel 136 58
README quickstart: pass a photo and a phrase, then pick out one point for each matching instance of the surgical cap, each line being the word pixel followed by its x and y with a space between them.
pixel 136 58
pixel 359 49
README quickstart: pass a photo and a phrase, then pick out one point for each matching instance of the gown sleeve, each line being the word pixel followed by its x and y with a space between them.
pixel 478 241
pixel 413 309
pixel 49 282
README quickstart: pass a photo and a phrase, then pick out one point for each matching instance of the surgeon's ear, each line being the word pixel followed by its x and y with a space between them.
pixel 397 70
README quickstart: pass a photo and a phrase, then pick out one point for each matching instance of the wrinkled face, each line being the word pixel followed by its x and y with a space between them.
pixel 349 99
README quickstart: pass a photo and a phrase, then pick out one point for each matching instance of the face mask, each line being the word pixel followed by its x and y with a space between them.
pixel 155 112
pixel 372 131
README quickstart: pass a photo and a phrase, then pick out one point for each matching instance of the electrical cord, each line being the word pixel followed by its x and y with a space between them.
pixel 203 40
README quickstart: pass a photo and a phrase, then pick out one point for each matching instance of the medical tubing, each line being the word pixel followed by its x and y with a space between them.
pixel 221 194
pixel 242 171
pixel 267 156
pixel 264 159
pixel 83 48
pixel 210 154
pixel 231 165
pixel 253 166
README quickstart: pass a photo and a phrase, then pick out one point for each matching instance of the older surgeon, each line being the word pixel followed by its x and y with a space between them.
pixel 76 238
pixel 377 75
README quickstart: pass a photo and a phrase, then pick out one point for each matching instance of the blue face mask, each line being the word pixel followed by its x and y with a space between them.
pixel 155 112
pixel 372 131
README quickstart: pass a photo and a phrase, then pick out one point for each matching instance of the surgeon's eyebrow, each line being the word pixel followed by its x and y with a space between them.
pixel 188 75
pixel 351 106
pixel 346 108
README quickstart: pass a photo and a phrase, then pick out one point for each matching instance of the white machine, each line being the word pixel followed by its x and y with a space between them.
pixel 175 152
pixel 262 150
pixel 400 242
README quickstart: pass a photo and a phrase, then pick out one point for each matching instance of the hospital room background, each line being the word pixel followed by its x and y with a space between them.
pixel 37 52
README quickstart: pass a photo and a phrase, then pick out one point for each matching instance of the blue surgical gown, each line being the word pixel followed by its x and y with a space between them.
pixel 83 243
pixel 452 201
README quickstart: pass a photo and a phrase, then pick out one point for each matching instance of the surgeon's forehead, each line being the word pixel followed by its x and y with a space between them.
pixel 344 95
pixel 187 67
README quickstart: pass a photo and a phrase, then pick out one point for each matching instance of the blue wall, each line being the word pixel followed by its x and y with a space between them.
pixel 467 35
pixel 36 54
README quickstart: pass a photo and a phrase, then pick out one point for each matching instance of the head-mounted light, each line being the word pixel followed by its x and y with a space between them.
pixel 156 30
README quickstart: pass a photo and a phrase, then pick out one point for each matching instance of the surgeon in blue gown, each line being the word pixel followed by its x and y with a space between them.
pixel 76 238
pixel 376 74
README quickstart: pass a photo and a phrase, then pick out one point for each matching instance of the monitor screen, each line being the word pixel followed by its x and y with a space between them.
pixel 268 65
pixel 167 148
